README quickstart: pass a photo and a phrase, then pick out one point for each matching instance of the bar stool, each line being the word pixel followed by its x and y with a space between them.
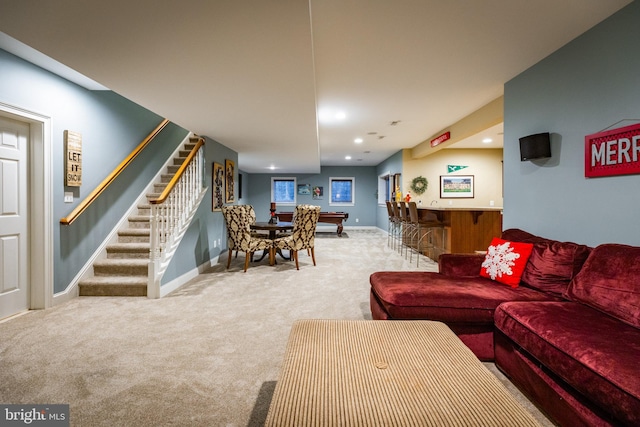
pixel 398 235
pixel 392 228
pixel 418 226
pixel 407 227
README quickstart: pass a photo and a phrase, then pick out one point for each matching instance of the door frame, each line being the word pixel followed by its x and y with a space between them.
pixel 40 204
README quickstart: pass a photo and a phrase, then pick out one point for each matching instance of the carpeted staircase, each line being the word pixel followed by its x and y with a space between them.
pixel 124 272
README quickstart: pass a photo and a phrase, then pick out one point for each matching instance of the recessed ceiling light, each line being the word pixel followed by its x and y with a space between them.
pixel 358 140
pixel 272 167
pixel 347 157
pixel 487 140
pixel 328 115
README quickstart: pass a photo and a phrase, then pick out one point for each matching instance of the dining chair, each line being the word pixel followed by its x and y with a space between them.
pixel 252 220
pixel 239 235
pixel 305 219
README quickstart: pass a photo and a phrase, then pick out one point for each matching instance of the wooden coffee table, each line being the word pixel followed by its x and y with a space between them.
pixel 387 373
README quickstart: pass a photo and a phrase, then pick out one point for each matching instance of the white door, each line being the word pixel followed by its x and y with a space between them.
pixel 14 283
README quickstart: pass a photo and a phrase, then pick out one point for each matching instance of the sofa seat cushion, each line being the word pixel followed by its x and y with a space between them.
pixel 596 354
pixel 433 296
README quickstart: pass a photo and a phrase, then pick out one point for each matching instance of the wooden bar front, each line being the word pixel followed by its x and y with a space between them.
pixel 466 229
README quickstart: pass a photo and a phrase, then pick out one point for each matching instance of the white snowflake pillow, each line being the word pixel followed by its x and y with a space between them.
pixel 505 261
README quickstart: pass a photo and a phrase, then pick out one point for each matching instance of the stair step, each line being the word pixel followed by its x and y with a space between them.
pixel 124 272
pixel 159 187
pixel 133 235
pixel 144 209
pixel 121 267
pixel 129 286
pixel 128 250
pixel 139 221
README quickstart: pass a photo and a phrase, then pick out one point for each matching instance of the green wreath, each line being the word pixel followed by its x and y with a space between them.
pixel 419 185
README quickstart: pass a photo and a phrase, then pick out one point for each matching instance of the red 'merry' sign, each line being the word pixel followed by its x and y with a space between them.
pixel 612 152
pixel 442 138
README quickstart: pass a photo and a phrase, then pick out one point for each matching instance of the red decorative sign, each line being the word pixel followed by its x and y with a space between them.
pixel 442 138
pixel 612 152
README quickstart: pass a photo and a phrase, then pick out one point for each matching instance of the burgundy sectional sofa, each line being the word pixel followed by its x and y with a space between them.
pixel 568 336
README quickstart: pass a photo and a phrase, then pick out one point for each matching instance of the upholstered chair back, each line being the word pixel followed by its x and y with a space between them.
pixel 238 219
pixel 238 227
pixel 252 214
pixel 304 226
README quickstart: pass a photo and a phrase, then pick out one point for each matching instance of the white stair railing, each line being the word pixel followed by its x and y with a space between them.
pixel 171 214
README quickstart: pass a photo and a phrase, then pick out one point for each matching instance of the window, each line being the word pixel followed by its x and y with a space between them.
pixel 384 188
pixel 342 191
pixel 283 190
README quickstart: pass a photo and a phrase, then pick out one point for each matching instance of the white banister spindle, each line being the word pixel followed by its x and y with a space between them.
pixel 170 219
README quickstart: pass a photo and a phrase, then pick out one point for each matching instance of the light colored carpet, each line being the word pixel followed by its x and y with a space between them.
pixel 207 355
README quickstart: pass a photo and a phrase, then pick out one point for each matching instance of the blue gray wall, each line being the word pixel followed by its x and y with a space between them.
pixel 586 86
pixel 258 193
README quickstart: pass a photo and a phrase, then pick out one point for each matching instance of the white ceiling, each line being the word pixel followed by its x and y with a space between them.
pixel 266 78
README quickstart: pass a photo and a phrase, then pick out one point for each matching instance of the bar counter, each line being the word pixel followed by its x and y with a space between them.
pixel 467 229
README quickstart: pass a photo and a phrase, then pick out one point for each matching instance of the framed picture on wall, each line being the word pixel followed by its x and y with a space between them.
pixel 230 170
pixel 304 189
pixel 318 192
pixel 217 183
pixel 456 186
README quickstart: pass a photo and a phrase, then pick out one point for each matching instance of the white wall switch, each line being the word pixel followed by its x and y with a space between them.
pixel 68 197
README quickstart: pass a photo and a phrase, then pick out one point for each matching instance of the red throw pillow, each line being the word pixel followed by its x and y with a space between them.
pixel 505 261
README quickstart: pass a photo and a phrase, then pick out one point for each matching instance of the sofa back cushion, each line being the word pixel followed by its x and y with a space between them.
pixel 552 264
pixel 610 282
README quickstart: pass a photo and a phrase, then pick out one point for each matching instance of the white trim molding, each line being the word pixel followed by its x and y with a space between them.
pixel 41 212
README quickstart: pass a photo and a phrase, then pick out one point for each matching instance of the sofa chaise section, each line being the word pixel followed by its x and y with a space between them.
pixel 458 296
pixel 465 304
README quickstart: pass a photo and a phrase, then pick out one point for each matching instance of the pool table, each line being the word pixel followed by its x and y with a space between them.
pixel 325 217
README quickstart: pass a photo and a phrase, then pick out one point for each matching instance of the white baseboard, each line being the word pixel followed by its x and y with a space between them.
pixel 71 292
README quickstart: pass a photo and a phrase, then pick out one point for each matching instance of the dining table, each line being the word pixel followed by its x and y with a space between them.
pixel 273 229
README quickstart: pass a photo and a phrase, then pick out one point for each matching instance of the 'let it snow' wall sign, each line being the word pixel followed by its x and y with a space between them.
pixel 73 158
pixel 612 152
